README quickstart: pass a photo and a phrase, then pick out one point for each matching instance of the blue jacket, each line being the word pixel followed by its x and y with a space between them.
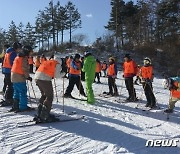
pixel 12 57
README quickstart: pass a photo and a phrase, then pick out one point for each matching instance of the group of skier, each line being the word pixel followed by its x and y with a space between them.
pixel 18 64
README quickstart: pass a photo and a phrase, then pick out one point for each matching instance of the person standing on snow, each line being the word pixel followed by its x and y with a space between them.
pixel 19 75
pixel 174 87
pixel 5 47
pixel 146 74
pixel 129 69
pixel 104 68
pixel 9 57
pixel 112 74
pixel 74 77
pixel 98 70
pixel 48 70
pixel 89 68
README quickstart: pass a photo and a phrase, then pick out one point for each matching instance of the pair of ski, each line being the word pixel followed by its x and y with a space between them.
pixel 148 108
pixel 59 119
pixel 105 95
pixel 75 98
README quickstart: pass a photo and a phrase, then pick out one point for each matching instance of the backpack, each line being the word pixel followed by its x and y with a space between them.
pixel 172 81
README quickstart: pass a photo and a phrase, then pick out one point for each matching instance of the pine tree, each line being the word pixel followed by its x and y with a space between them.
pixel 29 35
pixel 20 32
pixel 116 21
pixel 61 21
pixel 73 18
pixel 12 33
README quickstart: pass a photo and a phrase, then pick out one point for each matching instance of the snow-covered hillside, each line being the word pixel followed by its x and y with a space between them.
pixel 109 127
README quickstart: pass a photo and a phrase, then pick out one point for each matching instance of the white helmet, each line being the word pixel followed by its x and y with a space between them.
pixel 147 61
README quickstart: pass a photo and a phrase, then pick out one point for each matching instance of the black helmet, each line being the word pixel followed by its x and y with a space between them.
pixel 77 56
pixel 27 49
pixel 127 56
pixel 17 45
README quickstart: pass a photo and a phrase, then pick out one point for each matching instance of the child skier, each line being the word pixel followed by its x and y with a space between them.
pixel 146 74
pixel 48 70
pixel 19 75
pixel 104 68
pixel 174 87
pixel 9 57
pixel 98 70
pixel 74 77
pixel 112 74
pixel 129 69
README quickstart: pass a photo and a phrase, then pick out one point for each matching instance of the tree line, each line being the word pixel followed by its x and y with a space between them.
pixel 50 24
pixel 148 22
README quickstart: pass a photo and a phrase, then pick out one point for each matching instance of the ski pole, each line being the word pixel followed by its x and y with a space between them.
pixel 154 97
pixel 29 93
pixel 63 95
pixel 33 92
pixel 79 85
pixel 144 86
pixel 55 89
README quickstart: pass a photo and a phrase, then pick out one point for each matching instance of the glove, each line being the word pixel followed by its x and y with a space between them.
pixel 29 78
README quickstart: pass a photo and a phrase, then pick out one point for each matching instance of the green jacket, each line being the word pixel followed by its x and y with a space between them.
pixel 89 67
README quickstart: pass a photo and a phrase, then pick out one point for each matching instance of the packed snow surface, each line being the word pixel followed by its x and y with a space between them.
pixel 110 126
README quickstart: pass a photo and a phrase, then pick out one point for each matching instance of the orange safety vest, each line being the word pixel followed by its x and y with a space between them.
pixel 98 67
pixel 6 62
pixel 74 71
pixel 111 70
pixel 104 66
pixel 175 93
pixel 147 72
pixel 129 67
pixel 17 65
pixel 48 67
pixel 37 63
pixel 30 60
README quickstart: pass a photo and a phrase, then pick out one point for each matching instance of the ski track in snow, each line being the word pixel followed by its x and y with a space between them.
pixel 109 127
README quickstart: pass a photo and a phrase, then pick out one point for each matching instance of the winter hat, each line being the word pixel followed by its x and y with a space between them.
pixel 77 56
pixel 127 56
pixel 147 61
pixel 17 45
pixel 112 58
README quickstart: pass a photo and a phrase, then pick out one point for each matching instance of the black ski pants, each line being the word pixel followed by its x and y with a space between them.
pixel 74 80
pixel 9 90
pixel 130 87
pixel 112 85
pixel 148 90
